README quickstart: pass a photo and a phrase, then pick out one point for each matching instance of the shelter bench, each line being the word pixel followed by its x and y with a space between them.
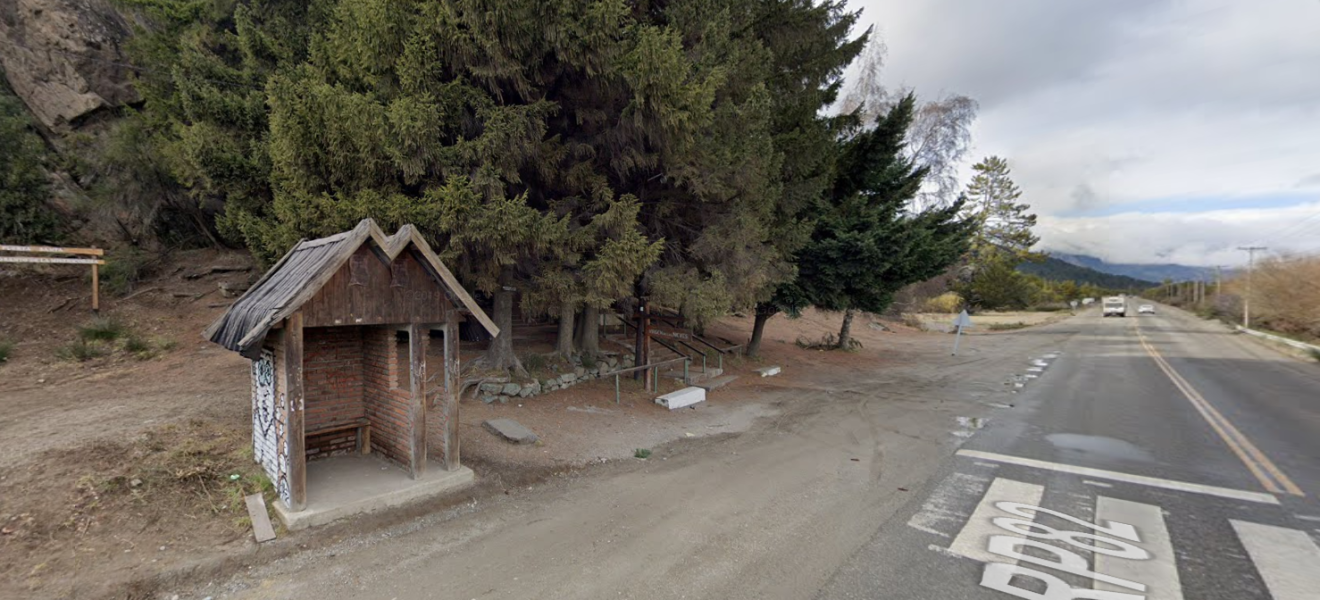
pixel 362 425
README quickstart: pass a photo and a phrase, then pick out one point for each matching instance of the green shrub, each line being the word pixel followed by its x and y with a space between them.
pixel 6 347
pixel 122 270
pixel 81 350
pixel 642 453
pixel 137 345
pixel 103 328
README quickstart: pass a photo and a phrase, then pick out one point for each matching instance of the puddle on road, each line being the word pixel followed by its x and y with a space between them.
pixel 1098 445
pixel 969 426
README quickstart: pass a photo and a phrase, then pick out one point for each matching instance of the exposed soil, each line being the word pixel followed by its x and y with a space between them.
pixel 122 468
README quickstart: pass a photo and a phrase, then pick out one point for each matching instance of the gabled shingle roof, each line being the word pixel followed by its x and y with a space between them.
pixel 302 272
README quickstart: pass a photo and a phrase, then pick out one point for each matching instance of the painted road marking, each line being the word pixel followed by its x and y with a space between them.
pixel 1167 484
pixel 971 541
pixel 1287 559
pixel 1265 471
pixel 1160 573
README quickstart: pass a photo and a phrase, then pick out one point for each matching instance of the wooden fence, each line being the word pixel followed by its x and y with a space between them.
pixel 75 257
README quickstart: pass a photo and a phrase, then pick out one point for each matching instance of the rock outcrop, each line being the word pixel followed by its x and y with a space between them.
pixel 64 58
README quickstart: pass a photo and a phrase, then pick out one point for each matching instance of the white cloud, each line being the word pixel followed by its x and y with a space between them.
pixel 1198 239
pixel 1099 105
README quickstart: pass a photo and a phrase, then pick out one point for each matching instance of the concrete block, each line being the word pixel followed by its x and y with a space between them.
pixel 769 371
pixel 510 430
pixel 684 397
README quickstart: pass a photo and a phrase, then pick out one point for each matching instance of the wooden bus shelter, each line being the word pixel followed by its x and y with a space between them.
pixel 337 332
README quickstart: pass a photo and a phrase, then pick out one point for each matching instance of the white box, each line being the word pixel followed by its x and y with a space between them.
pixel 684 397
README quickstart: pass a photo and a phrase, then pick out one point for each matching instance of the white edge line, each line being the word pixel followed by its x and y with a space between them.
pixel 1208 490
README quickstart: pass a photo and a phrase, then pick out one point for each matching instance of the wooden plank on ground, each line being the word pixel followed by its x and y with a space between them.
pixel 261 528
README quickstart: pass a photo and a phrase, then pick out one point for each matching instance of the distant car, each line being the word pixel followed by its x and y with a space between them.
pixel 1146 309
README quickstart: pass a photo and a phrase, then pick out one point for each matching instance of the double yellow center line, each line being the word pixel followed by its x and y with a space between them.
pixel 1269 475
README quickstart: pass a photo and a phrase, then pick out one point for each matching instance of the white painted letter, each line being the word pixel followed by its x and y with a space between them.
pixel 1068 562
pixel 999 577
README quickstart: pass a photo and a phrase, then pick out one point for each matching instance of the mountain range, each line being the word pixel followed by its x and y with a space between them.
pixel 1055 269
pixel 1152 272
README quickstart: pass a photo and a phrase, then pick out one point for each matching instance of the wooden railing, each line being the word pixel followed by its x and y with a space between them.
pixel 652 372
pixel 95 262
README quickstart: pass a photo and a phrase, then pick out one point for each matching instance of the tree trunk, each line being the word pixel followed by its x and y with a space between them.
pixel 499 355
pixel 763 314
pixel 564 343
pixel 846 332
pixel 590 331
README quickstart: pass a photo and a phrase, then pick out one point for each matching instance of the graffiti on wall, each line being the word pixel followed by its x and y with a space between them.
pixel 269 445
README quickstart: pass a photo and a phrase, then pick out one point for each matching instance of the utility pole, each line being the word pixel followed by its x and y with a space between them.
pixel 1246 299
pixel 1219 282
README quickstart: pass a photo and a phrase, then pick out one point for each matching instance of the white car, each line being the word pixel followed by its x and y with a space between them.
pixel 1146 309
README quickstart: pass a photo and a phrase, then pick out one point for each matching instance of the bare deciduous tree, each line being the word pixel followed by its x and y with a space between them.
pixel 939 137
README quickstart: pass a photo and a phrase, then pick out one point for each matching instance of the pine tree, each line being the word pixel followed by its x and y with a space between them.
pixel 810 49
pixel 866 246
pixel 1003 223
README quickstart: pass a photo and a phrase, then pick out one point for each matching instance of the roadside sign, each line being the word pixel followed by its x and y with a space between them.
pixel 962 320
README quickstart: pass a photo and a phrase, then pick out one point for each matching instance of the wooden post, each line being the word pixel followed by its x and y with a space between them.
pixel 449 407
pixel 96 288
pixel 294 409
pixel 417 342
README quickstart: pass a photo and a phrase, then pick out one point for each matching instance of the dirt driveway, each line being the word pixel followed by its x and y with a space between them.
pixel 766 513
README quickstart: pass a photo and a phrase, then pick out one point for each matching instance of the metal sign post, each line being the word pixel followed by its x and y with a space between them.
pixel 963 320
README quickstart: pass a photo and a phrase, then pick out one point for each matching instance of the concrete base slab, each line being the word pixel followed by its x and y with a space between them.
pixel 684 397
pixel 343 486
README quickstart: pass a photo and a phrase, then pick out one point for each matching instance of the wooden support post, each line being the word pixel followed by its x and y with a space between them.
pixel 96 288
pixel 449 400
pixel 292 380
pixel 639 352
pixel 417 342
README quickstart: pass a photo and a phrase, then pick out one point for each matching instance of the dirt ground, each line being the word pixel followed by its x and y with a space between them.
pixel 983 321
pixel 125 471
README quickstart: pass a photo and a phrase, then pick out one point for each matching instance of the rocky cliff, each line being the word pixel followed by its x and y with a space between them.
pixel 64 58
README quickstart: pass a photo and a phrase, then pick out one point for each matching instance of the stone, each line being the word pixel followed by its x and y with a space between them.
pixel 549 382
pixel 511 389
pixel 568 378
pixel 488 399
pixel 65 59
pixel 491 388
pixel 530 389
pixel 579 371
pixel 510 430
pixel 230 289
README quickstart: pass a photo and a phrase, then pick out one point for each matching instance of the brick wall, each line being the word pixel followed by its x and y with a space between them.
pixel 332 384
pixel 386 402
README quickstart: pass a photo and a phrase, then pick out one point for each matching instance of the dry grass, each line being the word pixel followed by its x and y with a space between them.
pixel 1285 296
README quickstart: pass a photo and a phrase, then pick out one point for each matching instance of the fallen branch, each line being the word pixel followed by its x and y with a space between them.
pixel 139 293
pixel 62 305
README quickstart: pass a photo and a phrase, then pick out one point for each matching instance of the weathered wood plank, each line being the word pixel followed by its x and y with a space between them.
pixel 449 399
pixel 44 260
pixel 53 250
pixel 261 528
pixel 295 406
pixel 417 343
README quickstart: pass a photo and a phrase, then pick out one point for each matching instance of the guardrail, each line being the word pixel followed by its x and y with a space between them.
pixel 1278 338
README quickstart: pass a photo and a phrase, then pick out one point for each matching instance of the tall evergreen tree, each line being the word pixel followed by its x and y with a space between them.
pixel 866 245
pixel 1003 238
pixel 809 45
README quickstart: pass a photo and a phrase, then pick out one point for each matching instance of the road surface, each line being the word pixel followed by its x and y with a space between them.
pixel 1154 457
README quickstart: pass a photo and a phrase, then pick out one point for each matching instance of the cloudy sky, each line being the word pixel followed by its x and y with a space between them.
pixel 1140 130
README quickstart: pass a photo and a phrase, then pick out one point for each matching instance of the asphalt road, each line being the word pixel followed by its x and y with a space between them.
pixel 1152 457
